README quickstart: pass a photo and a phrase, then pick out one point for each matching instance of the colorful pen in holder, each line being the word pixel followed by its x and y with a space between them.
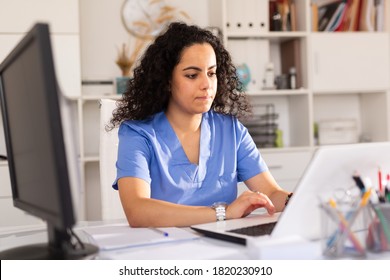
pixel 344 228
pixel 378 237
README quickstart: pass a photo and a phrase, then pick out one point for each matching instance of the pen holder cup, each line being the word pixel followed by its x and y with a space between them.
pixel 378 236
pixel 344 230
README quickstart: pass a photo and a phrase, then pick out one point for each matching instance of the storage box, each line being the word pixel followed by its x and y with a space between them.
pixel 342 131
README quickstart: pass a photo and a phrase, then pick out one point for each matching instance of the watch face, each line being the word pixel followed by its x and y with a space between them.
pixel 219 204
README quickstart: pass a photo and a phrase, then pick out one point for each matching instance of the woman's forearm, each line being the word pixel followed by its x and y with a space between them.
pixel 147 212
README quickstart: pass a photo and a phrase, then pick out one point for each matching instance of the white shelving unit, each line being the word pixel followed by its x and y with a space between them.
pixel 343 75
pixel 88 128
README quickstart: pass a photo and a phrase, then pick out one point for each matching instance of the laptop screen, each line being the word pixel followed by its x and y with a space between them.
pixel 331 168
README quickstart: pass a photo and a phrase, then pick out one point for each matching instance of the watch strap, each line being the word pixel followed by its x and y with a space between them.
pixel 220 210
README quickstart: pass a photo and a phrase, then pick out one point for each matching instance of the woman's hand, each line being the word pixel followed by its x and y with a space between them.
pixel 247 202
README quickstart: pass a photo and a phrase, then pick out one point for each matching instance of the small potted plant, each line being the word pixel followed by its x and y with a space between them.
pixel 126 60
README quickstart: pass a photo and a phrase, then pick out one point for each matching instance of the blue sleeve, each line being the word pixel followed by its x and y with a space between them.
pixel 133 155
pixel 249 160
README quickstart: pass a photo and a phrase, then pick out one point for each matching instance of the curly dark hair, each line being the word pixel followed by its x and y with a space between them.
pixel 148 91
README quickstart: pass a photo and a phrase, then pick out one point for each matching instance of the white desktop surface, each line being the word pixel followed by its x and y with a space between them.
pixel 203 248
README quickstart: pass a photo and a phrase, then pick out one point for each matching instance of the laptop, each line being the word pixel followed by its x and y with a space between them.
pixel 330 169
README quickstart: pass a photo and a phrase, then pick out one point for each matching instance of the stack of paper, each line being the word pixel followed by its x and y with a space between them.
pixel 119 236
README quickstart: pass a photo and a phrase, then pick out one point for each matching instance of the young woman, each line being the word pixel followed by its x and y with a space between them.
pixel 182 149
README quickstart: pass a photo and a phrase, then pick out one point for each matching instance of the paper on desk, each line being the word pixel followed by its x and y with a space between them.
pixel 195 250
pixel 111 237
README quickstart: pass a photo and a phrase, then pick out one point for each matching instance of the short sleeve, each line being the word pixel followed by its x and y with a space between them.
pixel 249 160
pixel 133 155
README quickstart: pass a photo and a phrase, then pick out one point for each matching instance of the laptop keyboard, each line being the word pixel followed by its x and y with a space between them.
pixel 256 230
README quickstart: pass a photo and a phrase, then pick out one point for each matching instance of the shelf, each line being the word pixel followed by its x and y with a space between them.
pixel 90 159
pixel 4 163
pixel 286 149
pixel 350 91
pixel 273 36
pixel 278 92
pixel 96 97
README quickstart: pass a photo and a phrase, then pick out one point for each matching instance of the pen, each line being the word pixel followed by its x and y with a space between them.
pixel 345 226
pixel 359 183
pixel 380 182
pixel 383 221
pixel 164 233
pixel 387 188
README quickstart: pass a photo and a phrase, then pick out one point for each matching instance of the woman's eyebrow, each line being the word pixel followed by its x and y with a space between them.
pixel 197 68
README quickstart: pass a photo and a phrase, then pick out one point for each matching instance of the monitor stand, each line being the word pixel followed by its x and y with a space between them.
pixel 43 252
pixel 59 247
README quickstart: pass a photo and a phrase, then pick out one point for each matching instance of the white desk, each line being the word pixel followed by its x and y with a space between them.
pixel 203 248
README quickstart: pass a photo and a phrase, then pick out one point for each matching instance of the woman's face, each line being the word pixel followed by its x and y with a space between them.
pixel 194 80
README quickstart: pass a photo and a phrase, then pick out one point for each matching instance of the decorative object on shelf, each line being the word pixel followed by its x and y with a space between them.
pixel 216 31
pixel 244 75
pixel 125 60
pixel 279 138
pixel 276 21
pixel 292 78
pixel 121 84
pixel 144 19
pixel 282 81
pixel 269 76
pixel 316 133
pixel 282 15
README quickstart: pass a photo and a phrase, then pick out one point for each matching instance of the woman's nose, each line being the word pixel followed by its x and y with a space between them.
pixel 206 82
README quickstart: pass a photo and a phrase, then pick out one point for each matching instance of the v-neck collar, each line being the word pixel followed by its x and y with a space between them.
pixel 179 157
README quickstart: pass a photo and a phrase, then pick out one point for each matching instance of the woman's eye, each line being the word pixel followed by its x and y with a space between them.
pixel 212 74
pixel 191 76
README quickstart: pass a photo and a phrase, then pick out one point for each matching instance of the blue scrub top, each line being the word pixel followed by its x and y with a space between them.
pixel 150 150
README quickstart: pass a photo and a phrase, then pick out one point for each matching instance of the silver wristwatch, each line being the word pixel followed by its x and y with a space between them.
pixel 220 210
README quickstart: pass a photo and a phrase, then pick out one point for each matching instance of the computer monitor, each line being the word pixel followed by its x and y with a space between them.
pixel 38 158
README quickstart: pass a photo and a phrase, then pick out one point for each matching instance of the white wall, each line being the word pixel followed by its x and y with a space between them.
pixel 102 33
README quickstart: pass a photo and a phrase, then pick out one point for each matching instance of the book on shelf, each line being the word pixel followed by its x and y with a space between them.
pixel 327 14
pixel 293 16
pixel 321 3
pixel 337 18
pixel 349 20
pixel 349 15
pixel 314 17
pixel 372 15
pixel 367 16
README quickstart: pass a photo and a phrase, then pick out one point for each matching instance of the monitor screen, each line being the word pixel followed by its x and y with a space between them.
pixel 37 156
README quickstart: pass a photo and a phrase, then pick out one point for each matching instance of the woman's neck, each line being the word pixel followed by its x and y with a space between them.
pixel 187 130
pixel 184 123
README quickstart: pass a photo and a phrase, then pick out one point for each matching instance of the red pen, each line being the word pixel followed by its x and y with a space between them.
pixel 380 182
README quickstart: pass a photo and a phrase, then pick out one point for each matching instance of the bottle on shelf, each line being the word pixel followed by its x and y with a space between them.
pixel 293 78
